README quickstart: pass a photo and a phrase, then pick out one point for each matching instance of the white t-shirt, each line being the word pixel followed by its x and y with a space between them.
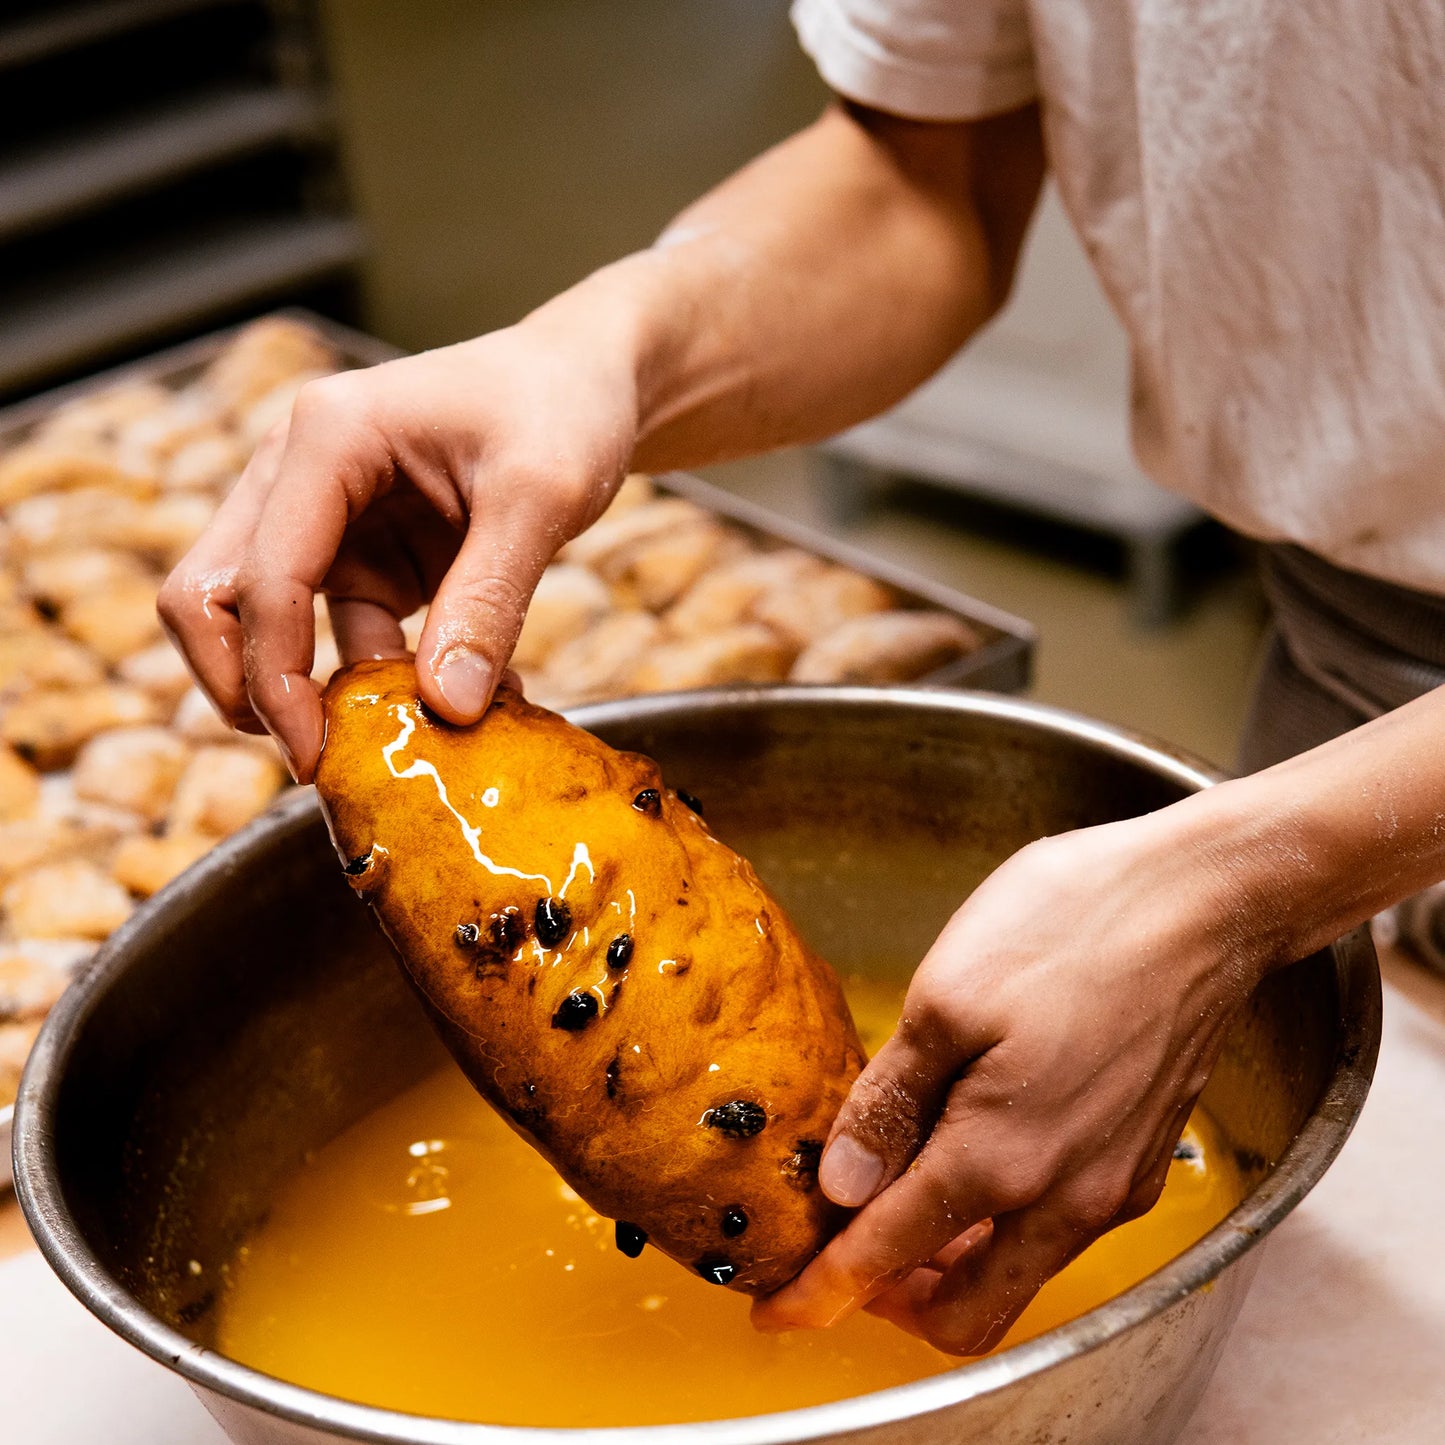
pixel 1260 185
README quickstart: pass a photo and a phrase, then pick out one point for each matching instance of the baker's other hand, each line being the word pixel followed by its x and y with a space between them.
pixel 450 477
pixel 1052 1045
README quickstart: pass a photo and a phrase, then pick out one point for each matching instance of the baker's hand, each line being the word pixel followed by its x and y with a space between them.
pixel 1051 1048
pixel 452 476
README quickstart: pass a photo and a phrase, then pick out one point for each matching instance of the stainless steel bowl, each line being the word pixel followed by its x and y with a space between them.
pixel 249 1013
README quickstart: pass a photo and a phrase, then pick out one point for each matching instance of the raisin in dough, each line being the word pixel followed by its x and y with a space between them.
pixel 610 976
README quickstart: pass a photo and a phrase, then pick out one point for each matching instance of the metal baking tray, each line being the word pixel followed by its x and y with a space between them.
pixel 1002 664
pixel 177 365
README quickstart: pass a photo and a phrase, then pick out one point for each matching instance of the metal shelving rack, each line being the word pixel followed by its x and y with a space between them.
pixel 164 164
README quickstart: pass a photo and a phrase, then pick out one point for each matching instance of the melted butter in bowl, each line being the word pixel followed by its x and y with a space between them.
pixel 428 1260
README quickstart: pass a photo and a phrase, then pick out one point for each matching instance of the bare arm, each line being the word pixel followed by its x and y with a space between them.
pixel 812 289
pixel 825 281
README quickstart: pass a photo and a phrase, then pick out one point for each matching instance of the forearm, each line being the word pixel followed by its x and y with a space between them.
pixel 809 291
pixel 1322 842
pixel 815 287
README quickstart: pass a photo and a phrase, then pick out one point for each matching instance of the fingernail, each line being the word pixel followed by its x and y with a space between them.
pixel 465 680
pixel 850 1174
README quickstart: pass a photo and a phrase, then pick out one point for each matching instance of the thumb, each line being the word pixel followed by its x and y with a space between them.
pixel 888 1114
pixel 477 612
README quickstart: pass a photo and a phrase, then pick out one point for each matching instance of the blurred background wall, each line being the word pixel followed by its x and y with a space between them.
pixel 500 149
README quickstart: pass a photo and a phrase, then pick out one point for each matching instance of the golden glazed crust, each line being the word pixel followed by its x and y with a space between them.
pixel 611 977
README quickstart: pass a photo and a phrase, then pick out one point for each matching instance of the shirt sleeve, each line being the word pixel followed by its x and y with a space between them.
pixel 923 59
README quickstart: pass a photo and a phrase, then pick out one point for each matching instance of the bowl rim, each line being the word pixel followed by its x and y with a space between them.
pixel 1300 1167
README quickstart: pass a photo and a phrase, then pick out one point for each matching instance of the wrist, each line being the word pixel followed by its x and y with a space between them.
pixel 655 314
pixel 1191 866
pixel 620 317
pixel 1287 883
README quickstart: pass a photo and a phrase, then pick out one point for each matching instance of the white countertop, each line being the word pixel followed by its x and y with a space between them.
pixel 1342 1338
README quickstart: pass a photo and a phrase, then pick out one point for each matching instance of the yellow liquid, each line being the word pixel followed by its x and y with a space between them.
pixel 428 1260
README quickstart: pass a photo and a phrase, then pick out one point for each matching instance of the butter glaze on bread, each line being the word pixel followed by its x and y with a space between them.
pixel 614 979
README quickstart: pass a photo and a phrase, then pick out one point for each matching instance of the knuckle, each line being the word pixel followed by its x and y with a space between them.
pixel 233 705
pixel 922 1017
pixel 248 586
pixel 1135 1207
pixel 171 602
pixel 261 604
pixel 1143 1197
pixel 1004 1185
pixel 327 399
pixel 1091 1206
pixel 577 495
pixel 1026 1180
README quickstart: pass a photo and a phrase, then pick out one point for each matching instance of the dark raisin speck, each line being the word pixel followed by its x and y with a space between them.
pixel 800 1168
pixel 553 921
pixel 505 930
pixel 575 1011
pixel 1184 1149
pixel 716 1269
pixel 359 864
pixel 738 1118
pixel 619 951
pixel 648 801
pixel 630 1239
pixel 734 1221
pixel 691 801
pixel 467 935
